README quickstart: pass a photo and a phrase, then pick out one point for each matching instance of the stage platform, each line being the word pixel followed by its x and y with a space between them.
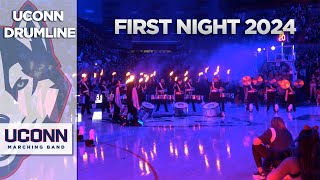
pixel 191 147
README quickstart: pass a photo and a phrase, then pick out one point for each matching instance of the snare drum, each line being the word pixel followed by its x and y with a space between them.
pixel 211 109
pixel 162 97
pixel 145 111
pixel 170 97
pixel 197 98
pixel 187 97
pixel 180 109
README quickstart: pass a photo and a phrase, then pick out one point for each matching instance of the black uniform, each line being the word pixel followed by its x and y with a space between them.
pixel 179 97
pixel 216 96
pixel 271 97
pixel 105 92
pixel 189 85
pixel 131 109
pixel 252 97
pixel 141 92
pixel 291 99
pixel 116 108
pixel 85 92
pixel 161 86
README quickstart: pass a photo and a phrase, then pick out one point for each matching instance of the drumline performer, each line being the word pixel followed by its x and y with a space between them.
pixel 117 103
pixel 161 90
pixel 141 89
pixel 216 93
pixel 132 104
pixel 85 92
pixel 252 97
pixel 188 91
pixel 179 91
pixel 105 102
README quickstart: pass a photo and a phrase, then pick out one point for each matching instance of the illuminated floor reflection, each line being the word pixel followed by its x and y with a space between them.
pixel 192 147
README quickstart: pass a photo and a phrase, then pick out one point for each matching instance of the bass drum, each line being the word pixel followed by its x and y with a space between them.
pixel 211 109
pixel 180 109
pixel 145 111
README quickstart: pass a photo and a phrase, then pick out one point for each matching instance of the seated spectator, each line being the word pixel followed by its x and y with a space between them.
pixel 305 164
pixel 272 145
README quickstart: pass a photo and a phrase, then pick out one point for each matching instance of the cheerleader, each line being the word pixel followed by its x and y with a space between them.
pixel 318 97
pixel 252 97
pixel 271 97
pixel 313 87
pixel 290 99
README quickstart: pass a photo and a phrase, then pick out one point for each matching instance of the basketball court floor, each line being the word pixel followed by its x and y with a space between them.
pixel 191 147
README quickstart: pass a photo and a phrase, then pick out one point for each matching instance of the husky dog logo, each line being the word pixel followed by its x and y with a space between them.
pixel 33 88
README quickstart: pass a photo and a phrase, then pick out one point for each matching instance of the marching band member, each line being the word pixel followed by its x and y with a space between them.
pixel 271 97
pixel 141 89
pixel 216 90
pixel 117 103
pixel 179 91
pixel 290 98
pixel 161 90
pixel 105 92
pixel 189 90
pixel 85 92
pixel 132 103
pixel 252 97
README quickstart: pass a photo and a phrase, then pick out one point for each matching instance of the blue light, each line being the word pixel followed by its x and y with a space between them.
pixel 273 48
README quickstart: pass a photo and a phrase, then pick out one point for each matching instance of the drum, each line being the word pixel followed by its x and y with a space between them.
pixel 162 97
pixel 180 109
pixel 187 97
pixel 197 98
pixel 170 97
pixel 211 109
pixel 145 111
pixel 153 97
